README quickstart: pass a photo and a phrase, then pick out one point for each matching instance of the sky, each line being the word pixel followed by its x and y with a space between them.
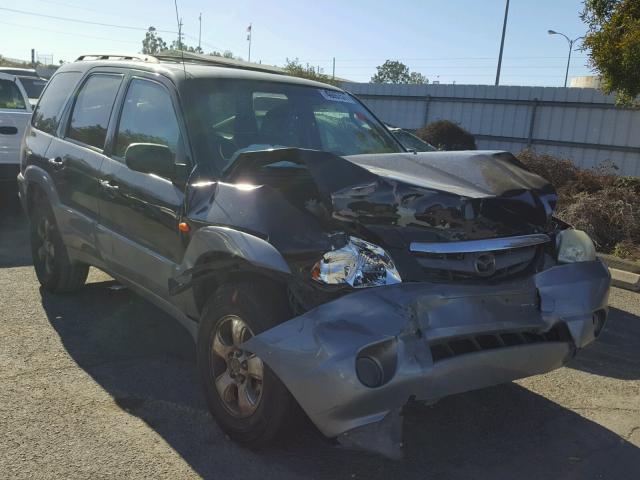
pixel 446 40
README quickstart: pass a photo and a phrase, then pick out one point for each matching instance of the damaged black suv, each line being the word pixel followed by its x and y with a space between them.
pixel 313 259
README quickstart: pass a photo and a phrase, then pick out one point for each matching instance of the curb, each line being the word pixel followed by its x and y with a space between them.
pixel 620 263
pixel 626 280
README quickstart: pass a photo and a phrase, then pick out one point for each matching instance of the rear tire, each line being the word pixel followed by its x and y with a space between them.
pixel 55 272
pixel 242 310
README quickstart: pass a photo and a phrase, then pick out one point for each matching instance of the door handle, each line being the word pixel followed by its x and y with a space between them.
pixel 8 131
pixel 108 186
pixel 57 163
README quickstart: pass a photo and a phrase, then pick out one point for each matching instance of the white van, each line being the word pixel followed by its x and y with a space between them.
pixel 15 113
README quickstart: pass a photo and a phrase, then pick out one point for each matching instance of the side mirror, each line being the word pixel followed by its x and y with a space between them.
pixel 150 158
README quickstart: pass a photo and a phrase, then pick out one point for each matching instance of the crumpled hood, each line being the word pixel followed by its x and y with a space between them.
pixel 447 196
pixel 474 174
pixel 433 196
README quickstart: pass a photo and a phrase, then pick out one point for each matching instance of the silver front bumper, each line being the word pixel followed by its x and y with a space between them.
pixel 315 354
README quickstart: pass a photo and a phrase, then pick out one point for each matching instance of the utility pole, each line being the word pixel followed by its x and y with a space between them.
pixel 504 30
pixel 333 74
pixel 249 40
pixel 180 34
pixel 199 31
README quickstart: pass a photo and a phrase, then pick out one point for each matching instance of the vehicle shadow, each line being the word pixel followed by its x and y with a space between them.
pixel 14 233
pixel 146 361
pixel 616 353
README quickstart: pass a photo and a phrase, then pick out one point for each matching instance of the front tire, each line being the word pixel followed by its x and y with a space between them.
pixel 246 398
pixel 55 272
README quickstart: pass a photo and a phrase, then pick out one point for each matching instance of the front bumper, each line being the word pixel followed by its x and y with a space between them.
pixel 315 354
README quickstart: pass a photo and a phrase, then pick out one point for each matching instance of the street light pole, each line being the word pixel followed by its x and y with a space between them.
pixel 571 42
pixel 504 30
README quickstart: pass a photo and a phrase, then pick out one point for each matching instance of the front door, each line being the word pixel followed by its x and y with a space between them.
pixel 140 211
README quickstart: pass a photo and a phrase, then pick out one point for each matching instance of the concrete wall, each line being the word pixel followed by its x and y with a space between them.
pixel 577 123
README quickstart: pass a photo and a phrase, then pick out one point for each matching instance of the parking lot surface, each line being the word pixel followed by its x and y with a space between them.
pixel 103 384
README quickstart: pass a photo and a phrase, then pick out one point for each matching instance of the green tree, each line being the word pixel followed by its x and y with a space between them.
pixel 152 42
pixel 181 46
pixel 225 54
pixel 296 69
pixel 418 78
pixel 613 41
pixel 394 71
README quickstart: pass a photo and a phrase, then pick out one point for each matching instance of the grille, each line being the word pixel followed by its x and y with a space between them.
pixel 459 266
pixel 449 348
pixel 479 259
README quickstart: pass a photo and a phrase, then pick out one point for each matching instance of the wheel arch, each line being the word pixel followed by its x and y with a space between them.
pixel 38 183
pixel 218 255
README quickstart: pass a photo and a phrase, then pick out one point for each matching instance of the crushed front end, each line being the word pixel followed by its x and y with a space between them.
pixel 355 361
pixel 413 277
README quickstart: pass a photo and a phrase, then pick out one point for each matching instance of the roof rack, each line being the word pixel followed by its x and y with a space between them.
pixel 139 57
pixel 186 57
pixel 202 59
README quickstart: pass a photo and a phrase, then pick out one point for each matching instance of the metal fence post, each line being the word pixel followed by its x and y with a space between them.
pixel 427 99
pixel 532 122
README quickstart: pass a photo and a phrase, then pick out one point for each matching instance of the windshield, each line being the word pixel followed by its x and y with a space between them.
pixel 33 86
pixel 233 116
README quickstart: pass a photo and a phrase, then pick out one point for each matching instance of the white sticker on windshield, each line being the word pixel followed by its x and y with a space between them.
pixel 336 96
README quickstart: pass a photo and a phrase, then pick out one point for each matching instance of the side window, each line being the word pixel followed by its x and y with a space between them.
pixel 10 96
pixel 92 109
pixel 47 114
pixel 147 117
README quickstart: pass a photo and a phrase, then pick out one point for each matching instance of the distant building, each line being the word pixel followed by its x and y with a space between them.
pixel 587 81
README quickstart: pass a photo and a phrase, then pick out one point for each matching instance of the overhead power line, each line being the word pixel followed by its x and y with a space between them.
pixel 73 34
pixel 406 59
pixel 77 20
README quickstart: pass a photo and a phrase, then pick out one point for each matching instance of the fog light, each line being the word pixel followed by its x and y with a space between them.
pixel 369 372
pixel 599 319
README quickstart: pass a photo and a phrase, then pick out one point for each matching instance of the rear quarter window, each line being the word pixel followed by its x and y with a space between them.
pixel 92 109
pixel 47 114
pixel 10 96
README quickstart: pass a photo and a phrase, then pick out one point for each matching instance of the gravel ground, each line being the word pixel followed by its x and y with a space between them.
pixel 102 384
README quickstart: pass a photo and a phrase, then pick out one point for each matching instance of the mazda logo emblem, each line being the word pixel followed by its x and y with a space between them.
pixel 485 265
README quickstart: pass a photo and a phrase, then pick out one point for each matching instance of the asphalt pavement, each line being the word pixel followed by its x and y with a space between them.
pixel 102 384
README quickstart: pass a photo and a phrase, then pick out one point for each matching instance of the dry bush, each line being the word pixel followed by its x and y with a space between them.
pixel 557 171
pixel 611 216
pixel 568 179
pixel 447 135
pixel 604 205
pixel 627 249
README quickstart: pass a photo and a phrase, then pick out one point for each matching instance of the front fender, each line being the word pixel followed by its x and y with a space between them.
pixel 225 242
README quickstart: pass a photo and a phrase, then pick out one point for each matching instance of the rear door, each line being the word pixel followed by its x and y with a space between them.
pixel 74 160
pixel 140 211
pixel 15 113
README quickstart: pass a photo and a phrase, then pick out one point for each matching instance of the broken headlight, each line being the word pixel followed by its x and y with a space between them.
pixel 358 263
pixel 574 246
